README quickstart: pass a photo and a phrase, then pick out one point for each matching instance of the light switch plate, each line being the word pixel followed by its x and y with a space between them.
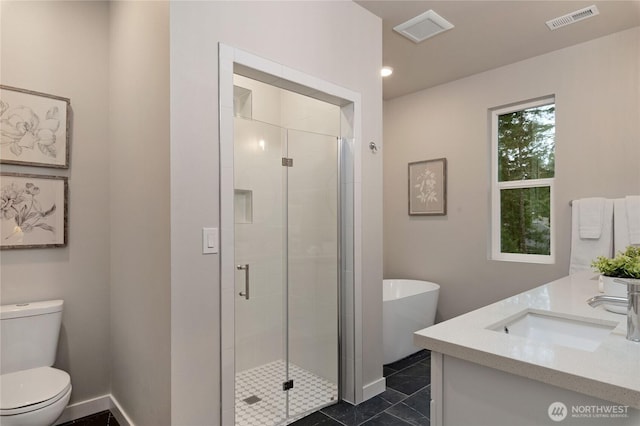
pixel 210 240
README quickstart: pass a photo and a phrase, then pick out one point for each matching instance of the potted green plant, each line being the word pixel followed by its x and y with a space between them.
pixel 625 265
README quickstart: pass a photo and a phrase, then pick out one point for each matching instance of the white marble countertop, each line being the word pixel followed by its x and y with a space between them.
pixel 610 372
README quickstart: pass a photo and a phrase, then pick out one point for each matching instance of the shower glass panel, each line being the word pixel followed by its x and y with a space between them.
pixel 313 270
pixel 287 265
pixel 260 247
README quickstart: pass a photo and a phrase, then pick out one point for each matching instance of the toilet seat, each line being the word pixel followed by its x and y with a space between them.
pixel 33 389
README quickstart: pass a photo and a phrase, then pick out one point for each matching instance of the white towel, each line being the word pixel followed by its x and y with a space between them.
pixel 591 217
pixel 620 226
pixel 584 251
pixel 633 218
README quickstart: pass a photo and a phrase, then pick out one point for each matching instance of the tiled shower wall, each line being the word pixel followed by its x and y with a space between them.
pixel 259 337
pixel 312 227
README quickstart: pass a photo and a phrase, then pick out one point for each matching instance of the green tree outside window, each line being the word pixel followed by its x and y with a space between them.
pixel 526 151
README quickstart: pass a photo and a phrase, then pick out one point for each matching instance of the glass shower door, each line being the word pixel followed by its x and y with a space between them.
pixel 286 255
pixel 312 241
pixel 260 257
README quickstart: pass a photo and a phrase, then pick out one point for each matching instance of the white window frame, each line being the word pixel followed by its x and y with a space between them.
pixel 496 187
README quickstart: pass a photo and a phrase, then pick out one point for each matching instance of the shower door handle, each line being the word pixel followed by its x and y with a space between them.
pixel 244 268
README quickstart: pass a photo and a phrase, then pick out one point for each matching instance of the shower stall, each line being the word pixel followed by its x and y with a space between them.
pixel 287 228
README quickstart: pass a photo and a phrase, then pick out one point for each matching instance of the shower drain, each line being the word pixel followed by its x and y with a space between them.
pixel 252 400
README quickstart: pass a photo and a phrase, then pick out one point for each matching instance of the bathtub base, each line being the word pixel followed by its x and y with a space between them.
pixel 405 311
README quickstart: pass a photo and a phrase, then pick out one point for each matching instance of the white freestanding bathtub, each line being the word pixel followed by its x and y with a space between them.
pixel 407 306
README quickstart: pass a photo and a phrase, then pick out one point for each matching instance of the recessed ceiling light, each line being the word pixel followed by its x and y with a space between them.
pixel 386 71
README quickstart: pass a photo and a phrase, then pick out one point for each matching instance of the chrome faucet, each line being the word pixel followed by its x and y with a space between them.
pixel 632 302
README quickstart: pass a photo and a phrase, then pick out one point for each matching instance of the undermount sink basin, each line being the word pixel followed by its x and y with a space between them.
pixel 577 333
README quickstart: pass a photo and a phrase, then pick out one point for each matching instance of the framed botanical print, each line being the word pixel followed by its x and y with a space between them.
pixel 428 187
pixel 34 128
pixel 33 211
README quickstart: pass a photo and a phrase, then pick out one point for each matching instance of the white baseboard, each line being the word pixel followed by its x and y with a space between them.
pixel 374 388
pixel 85 408
pixel 91 406
pixel 119 413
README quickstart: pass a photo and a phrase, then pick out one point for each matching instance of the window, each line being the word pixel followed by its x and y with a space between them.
pixel 523 166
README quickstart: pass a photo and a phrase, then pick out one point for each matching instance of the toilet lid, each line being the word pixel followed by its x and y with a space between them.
pixel 34 386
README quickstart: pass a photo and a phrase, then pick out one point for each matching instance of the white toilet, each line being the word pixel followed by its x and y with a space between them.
pixel 32 392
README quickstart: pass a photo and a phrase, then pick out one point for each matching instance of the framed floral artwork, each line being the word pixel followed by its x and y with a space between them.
pixel 34 128
pixel 428 187
pixel 33 211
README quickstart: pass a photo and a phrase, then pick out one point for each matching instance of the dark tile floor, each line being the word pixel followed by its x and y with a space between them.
pixel 405 402
pixel 104 418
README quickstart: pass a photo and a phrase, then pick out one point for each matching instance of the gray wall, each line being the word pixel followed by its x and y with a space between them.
pixel 597 90
pixel 336 41
pixel 62 48
pixel 139 208
pixel 112 60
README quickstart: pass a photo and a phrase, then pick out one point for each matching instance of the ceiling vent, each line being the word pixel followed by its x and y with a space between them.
pixel 573 17
pixel 423 26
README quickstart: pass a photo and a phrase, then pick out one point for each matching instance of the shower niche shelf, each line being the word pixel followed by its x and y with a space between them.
pixel 243 205
pixel 242 102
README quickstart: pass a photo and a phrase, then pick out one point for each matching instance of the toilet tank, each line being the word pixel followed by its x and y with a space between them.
pixel 29 335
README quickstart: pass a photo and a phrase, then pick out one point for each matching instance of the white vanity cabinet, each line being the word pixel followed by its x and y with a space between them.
pixel 481 375
pixel 468 394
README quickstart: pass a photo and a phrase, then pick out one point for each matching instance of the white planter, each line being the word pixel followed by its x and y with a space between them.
pixel 612 288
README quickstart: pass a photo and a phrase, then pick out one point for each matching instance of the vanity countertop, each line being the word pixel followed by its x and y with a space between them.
pixel 610 372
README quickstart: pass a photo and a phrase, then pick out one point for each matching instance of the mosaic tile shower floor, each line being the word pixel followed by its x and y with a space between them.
pixel 310 392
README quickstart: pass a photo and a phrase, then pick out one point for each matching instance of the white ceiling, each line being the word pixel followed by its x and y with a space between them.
pixel 487 34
